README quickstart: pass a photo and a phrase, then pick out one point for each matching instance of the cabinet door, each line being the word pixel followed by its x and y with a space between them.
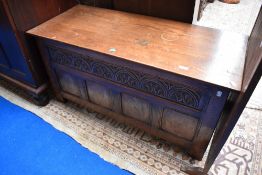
pixel 12 61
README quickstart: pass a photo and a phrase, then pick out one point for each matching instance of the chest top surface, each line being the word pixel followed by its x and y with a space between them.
pixel 201 53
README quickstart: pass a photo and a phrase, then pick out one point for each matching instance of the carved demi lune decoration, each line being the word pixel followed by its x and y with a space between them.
pixel 154 85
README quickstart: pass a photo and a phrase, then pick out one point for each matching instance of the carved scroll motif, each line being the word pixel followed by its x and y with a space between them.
pixel 154 85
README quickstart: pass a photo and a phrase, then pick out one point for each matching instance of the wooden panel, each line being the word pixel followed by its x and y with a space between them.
pixel 169 9
pixel 26 17
pixel 173 9
pixel 98 3
pixel 11 52
pixel 157 114
pixel 134 6
pixel 183 92
pixel 103 96
pixel 136 108
pixel 72 84
pixel 23 67
pixel 27 14
pixel 179 124
pixel 188 50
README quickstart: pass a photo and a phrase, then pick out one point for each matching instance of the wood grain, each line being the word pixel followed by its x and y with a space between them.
pixel 201 53
pixel 26 14
pixel 138 92
pixel 20 61
pixel 170 9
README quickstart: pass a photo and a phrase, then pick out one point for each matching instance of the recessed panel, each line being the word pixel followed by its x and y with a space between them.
pixel 72 84
pixel 104 96
pixel 136 108
pixel 179 124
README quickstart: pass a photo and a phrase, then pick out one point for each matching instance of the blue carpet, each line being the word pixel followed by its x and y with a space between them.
pixel 30 146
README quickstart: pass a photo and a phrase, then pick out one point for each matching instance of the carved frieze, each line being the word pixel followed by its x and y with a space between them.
pixel 151 84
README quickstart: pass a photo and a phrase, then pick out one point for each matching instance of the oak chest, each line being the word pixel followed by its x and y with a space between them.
pixel 168 78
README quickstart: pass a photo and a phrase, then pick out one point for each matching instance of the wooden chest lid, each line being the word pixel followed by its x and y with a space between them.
pixel 201 53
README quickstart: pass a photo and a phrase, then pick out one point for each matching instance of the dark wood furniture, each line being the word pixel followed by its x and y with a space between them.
pixel 174 80
pixel 185 11
pixel 20 60
pixel 166 77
